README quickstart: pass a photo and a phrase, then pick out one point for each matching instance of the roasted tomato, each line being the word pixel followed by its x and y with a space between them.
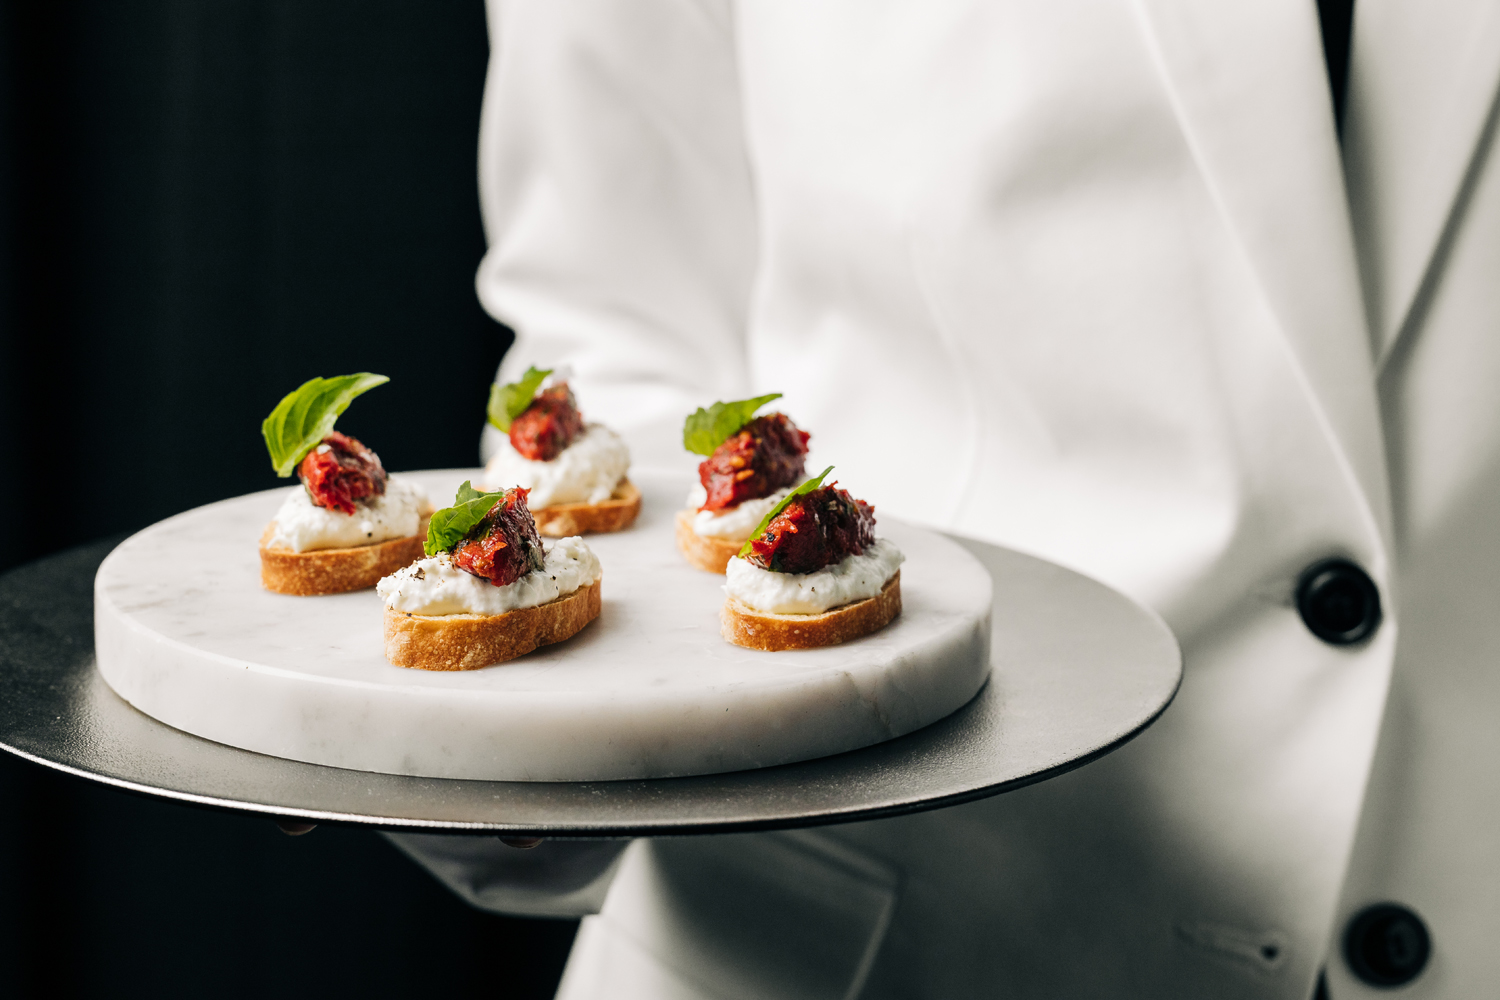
pixel 548 425
pixel 815 530
pixel 504 546
pixel 340 471
pixel 756 461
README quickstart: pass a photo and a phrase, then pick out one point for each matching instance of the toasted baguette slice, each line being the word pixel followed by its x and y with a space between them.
pixel 711 554
pixel 744 626
pixel 615 514
pixel 334 571
pixel 468 642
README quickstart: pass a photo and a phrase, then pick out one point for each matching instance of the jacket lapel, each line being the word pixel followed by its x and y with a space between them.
pixel 1249 85
pixel 1422 87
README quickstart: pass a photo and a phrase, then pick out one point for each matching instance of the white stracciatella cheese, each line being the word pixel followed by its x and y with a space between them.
pixel 586 471
pixel 734 523
pixel 856 578
pixel 434 586
pixel 303 526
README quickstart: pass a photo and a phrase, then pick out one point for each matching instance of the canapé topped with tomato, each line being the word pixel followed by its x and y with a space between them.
pixel 549 448
pixel 346 498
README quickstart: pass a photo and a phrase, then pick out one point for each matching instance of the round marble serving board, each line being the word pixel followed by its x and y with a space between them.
pixel 186 634
pixel 1081 670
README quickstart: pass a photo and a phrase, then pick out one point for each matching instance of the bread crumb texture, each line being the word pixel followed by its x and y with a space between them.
pixel 709 554
pixel 753 629
pixel 615 514
pixel 334 571
pixel 468 642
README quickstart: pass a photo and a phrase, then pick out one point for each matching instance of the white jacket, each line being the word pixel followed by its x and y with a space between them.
pixel 1079 278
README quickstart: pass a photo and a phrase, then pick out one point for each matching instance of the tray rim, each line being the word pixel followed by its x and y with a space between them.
pixel 396 824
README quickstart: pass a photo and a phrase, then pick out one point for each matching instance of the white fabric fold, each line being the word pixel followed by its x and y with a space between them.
pixel 557 878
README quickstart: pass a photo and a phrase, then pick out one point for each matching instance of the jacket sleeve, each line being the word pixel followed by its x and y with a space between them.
pixel 617 202
pixel 557 878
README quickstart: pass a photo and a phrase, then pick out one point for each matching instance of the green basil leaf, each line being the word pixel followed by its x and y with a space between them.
pixel 704 430
pixel 509 401
pixel 306 415
pixel 449 525
pixel 806 487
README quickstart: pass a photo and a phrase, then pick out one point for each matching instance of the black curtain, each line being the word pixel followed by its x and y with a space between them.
pixel 202 204
pixel 207 203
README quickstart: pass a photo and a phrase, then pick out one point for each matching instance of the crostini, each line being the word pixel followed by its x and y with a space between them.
pixel 813 574
pixel 575 471
pixel 489 589
pixel 752 464
pixel 349 523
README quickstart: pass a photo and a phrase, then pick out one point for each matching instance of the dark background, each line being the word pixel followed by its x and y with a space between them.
pixel 203 204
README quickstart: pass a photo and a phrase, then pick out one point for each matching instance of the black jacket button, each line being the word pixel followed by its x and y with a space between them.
pixel 1338 602
pixel 1387 945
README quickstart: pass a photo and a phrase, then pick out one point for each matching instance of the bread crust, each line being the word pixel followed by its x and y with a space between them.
pixel 335 571
pixel 615 514
pixel 709 554
pixel 468 642
pixel 753 629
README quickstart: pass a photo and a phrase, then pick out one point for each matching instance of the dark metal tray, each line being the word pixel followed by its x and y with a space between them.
pixel 1079 671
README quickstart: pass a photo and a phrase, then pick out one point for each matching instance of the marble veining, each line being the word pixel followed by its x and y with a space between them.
pixel 186 634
